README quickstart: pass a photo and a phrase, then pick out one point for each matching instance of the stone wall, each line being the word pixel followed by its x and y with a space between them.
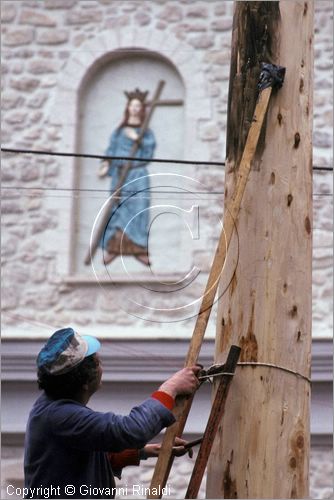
pixel 39 39
pixel 322 156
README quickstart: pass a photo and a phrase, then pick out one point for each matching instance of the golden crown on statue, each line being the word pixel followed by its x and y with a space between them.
pixel 136 94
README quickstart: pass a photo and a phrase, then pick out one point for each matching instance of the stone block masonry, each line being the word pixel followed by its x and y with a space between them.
pixel 38 41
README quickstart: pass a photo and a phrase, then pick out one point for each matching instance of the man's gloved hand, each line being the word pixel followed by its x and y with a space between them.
pixel 183 382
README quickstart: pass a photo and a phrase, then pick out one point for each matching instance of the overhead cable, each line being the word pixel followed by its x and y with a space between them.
pixel 127 158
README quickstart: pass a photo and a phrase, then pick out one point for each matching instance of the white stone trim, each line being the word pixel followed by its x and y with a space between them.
pixel 140 366
pixel 133 360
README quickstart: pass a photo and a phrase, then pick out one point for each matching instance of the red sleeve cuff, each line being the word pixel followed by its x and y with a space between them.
pixel 124 458
pixel 164 398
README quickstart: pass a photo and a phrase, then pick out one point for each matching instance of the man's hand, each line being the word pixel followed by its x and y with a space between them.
pixel 182 382
pixel 152 450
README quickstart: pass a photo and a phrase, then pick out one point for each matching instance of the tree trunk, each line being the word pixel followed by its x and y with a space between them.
pixel 262 447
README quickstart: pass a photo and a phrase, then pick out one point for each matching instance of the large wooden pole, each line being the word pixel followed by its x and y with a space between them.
pixel 262 447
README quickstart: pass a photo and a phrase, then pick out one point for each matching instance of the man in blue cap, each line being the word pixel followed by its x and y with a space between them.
pixel 68 446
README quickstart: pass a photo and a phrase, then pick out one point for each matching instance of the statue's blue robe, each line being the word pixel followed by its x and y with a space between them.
pixel 132 214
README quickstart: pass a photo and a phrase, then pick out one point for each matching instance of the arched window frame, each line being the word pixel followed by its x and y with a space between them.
pixel 65 112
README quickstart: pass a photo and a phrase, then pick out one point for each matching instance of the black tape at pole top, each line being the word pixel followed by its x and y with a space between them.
pixel 271 76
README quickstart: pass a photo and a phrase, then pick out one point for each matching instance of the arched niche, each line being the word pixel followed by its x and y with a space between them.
pixel 100 110
pixel 65 114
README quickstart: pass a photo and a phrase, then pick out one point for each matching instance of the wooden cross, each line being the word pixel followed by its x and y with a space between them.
pixel 167 102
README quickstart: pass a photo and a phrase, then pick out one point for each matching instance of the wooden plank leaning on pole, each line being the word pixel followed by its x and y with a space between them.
pixel 271 75
pixel 96 238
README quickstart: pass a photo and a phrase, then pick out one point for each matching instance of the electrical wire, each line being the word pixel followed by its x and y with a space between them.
pixel 196 195
pixel 90 190
pixel 104 157
pixel 127 158
pixel 325 169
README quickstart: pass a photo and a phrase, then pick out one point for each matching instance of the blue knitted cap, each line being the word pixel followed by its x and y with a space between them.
pixel 64 350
